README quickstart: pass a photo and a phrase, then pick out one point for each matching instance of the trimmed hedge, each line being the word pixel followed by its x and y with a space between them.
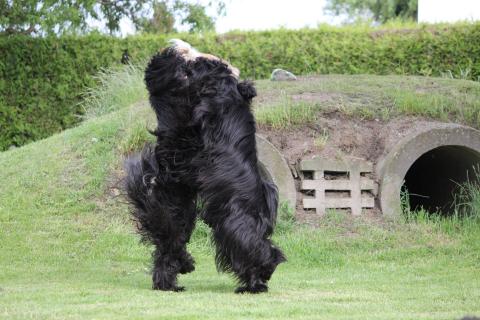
pixel 41 79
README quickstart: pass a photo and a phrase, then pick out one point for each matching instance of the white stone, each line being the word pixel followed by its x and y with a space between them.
pixel 282 75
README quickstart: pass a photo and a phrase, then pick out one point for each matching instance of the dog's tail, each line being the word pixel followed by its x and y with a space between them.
pixel 270 192
pixel 140 183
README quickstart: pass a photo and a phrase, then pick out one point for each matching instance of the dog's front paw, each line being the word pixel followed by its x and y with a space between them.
pixel 258 288
pixel 169 288
pixel 187 267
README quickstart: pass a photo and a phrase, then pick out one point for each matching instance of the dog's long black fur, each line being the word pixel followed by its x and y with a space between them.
pixel 205 151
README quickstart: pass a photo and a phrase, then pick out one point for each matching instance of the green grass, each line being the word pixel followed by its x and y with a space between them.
pixel 321 140
pixel 286 113
pixel 464 210
pixel 371 97
pixel 137 131
pixel 282 105
pixel 116 88
pixel 467 200
pixel 68 249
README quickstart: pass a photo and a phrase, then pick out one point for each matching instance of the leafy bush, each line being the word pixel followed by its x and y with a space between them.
pixel 42 79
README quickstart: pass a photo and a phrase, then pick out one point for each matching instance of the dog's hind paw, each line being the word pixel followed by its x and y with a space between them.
pixel 258 288
pixel 187 264
pixel 178 289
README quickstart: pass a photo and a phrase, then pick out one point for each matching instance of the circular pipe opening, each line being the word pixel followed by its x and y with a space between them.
pixel 430 162
pixel 435 177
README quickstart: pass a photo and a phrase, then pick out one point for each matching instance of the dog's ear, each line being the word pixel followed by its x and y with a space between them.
pixel 164 71
pixel 247 90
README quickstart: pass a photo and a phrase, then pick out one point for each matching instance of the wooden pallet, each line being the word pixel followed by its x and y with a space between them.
pixel 338 184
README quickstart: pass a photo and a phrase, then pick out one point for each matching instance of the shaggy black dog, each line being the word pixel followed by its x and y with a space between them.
pixel 203 164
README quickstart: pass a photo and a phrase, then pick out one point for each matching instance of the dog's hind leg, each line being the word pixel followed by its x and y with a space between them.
pixel 159 209
pixel 241 250
pixel 166 267
pixel 240 207
pixel 170 255
pixel 187 263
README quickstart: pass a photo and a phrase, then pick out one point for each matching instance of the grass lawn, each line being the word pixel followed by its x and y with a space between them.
pixel 68 249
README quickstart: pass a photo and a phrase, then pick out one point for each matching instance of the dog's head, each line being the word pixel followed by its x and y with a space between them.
pixel 276 257
pixel 191 54
pixel 184 71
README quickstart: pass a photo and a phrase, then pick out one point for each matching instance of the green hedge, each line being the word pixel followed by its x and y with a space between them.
pixel 41 79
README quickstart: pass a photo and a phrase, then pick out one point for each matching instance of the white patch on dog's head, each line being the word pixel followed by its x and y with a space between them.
pixel 189 53
pixel 185 49
pixel 179 43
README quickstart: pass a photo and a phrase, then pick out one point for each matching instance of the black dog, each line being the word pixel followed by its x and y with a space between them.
pixel 204 164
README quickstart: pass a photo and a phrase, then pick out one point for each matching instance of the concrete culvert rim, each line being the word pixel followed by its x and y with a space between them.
pixel 274 167
pixel 430 163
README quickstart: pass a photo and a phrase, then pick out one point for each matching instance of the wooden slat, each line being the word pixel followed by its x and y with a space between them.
pixel 332 203
pixel 310 203
pixel 365 184
pixel 368 202
pixel 336 165
pixel 312 184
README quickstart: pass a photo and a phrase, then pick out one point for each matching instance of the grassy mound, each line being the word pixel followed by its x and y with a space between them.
pixel 68 249
pixel 283 104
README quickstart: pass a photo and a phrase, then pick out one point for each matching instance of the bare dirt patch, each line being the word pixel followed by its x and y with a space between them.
pixel 340 135
pixel 315 97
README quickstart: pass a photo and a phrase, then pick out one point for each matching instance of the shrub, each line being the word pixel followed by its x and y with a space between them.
pixel 42 79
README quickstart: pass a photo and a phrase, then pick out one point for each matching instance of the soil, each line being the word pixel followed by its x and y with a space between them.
pixel 345 136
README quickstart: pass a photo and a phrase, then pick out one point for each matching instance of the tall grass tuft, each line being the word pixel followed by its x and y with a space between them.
pixel 423 104
pixel 465 209
pixel 285 218
pixel 467 198
pixel 286 113
pixel 135 137
pixel 117 88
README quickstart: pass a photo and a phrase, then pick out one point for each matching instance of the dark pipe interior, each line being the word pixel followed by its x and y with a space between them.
pixel 434 178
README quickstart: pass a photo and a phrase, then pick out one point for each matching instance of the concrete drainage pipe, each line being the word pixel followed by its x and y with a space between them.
pixel 430 163
pixel 276 169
